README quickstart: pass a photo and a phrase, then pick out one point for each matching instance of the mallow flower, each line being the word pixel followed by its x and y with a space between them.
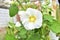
pixel 31 18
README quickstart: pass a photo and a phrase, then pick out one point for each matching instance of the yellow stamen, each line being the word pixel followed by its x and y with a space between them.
pixel 32 19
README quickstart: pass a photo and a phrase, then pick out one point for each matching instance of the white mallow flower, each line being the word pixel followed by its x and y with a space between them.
pixel 31 18
pixel 53 36
pixel 17 24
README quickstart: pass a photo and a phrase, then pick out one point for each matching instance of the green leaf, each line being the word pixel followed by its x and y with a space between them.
pixel 13 10
pixel 55 27
pixel 11 25
pixel 48 18
pixel 21 1
pixel 26 1
pixel 10 37
pixel 34 37
pixel 22 32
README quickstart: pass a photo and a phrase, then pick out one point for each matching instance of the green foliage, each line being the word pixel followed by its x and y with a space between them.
pixel 52 24
pixel 35 36
pixel 11 25
pixel 55 27
pixel 26 1
pixel 28 5
pixel 21 1
pixel 13 10
pixel 48 18
pixel 22 32
pixel 10 37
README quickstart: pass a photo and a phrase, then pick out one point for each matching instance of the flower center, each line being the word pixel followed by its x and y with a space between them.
pixel 32 19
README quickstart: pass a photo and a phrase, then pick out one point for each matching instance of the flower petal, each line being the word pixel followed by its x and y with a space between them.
pixel 29 26
pixel 17 24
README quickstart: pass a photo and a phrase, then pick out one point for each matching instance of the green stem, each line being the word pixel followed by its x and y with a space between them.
pixel 58 13
pixel 44 32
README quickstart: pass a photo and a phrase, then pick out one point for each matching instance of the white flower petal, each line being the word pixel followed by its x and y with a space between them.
pixel 29 26
pixel 36 2
pixel 17 24
pixel 23 15
pixel 21 12
pixel 38 24
pixel 53 36
pixel 30 11
pixel 24 3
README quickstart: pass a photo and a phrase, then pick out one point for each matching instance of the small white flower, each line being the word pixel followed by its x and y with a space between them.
pixel 24 3
pixel 36 2
pixel 17 37
pixel 53 36
pixel 17 24
pixel 31 18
